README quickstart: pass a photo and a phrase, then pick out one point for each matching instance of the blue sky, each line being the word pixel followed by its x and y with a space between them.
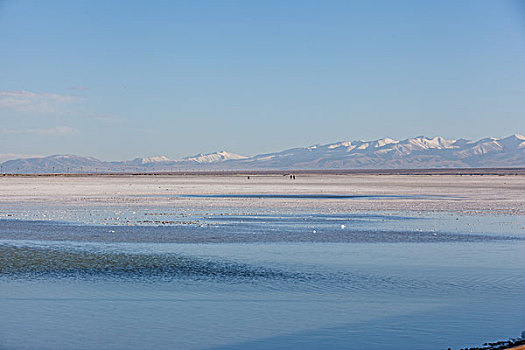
pixel 120 79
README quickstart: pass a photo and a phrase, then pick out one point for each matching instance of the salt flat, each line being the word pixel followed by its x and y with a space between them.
pixel 449 193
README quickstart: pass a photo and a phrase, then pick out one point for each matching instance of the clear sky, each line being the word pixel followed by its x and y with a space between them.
pixel 121 79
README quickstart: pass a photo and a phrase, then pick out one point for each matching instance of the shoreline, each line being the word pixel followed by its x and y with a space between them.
pixel 520 171
pixel 490 194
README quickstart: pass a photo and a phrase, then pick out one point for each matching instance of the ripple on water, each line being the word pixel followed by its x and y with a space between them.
pixel 19 261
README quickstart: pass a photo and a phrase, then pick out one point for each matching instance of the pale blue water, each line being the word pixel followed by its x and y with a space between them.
pixel 263 281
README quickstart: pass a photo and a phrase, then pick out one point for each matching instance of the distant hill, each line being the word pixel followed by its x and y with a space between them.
pixel 413 153
pixel 419 152
pixel 220 156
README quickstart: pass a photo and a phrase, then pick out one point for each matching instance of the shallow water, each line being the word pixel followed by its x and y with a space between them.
pixel 234 280
pixel 296 196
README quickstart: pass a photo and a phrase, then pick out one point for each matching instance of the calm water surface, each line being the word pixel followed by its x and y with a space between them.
pixel 262 281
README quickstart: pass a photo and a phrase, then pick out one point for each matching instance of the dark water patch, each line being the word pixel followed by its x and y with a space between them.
pixel 27 260
pixel 38 261
pixel 309 219
pixel 34 262
pixel 303 196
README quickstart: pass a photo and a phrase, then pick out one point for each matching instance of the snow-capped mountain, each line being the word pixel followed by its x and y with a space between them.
pixel 58 163
pixel 413 153
pixel 154 159
pixel 220 156
pixel 418 152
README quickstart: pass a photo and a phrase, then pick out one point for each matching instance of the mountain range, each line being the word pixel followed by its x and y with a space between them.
pixel 412 153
